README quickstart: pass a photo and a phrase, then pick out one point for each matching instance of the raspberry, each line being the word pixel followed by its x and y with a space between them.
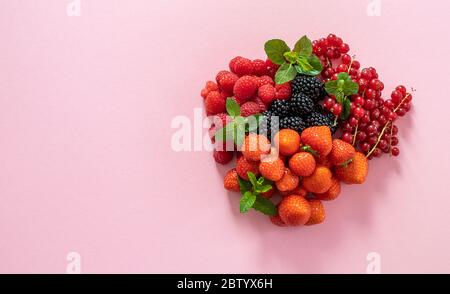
pixel 214 103
pixel 209 87
pixel 261 104
pixel 270 64
pixel 267 93
pixel 221 119
pixel 241 66
pixel 227 80
pixel 245 88
pixel 259 67
pixel 221 74
pixel 283 91
pixel 204 93
pixel 250 108
pixel 265 80
pixel 223 157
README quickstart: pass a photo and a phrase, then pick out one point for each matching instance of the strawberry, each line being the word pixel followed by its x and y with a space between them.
pixel 272 168
pixel 319 139
pixel 355 172
pixel 341 152
pixel 288 182
pixel 230 182
pixel 244 166
pixel 319 181
pixel 302 164
pixel 269 194
pixel 300 191
pixel 254 146
pixel 332 193
pixel 287 141
pixel 294 210
pixel 317 213
pixel 276 220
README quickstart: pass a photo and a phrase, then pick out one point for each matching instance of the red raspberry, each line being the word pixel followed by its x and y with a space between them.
pixel 214 103
pixel 227 80
pixel 223 157
pixel 250 108
pixel 259 67
pixel 267 93
pixel 270 64
pixel 204 93
pixel 220 74
pixel 272 68
pixel 241 66
pixel 222 119
pixel 265 80
pixel 245 88
pixel 262 106
pixel 210 86
pixel 283 91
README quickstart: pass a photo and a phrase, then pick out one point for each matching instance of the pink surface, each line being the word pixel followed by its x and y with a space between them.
pixel 86 163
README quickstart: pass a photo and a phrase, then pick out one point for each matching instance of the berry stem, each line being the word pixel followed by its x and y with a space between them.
pixel 351 63
pixel 379 139
pixel 390 140
pixel 354 135
pixel 403 100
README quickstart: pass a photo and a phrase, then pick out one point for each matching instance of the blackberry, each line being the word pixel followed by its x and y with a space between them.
pixel 321 119
pixel 309 85
pixel 280 108
pixel 301 104
pixel 294 123
pixel 269 124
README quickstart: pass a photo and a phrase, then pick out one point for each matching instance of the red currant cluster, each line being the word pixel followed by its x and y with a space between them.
pixel 370 126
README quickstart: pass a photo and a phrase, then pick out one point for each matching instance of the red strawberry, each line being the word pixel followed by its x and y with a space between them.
pixel 244 166
pixel 227 81
pixel 245 88
pixel 284 91
pixel 259 67
pixel 250 108
pixel 294 210
pixel 267 93
pixel 230 182
pixel 214 103
pixel 223 157
pixel 276 220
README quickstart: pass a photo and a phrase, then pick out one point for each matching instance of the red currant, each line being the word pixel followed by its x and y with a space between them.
pixel 359 112
pixel 355 64
pixel 375 114
pixel 382 120
pixel 396 97
pixel 346 59
pixel 329 103
pixel 365 74
pixel 394 141
pixel 389 104
pixel 370 94
pixel 401 111
pixel 383 144
pixel 347 137
pixel 353 121
pixel 369 104
pixel 392 116
pixel 377 152
pixel 395 151
pixel 330 53
pixel 401 89
pixel 336 109
pixel 365 147
pixel 344 48
pixel 361 136
pixel 394 130
pixel 362 84
pixel 342 68
pixel 366 118
pixel 359 101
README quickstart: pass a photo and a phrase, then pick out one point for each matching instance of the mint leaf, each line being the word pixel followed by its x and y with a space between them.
pixel 345 109
pixel 350 88
pixel 244 185
pixel 233 108
pixel 253 180
pixel 304 64
pixel 315 62
pixel 343 76
pixel 340 96
pixel 304 47
pixel 275 50
pixel 265 188
pixel 247 201
pixel 261 181
pixel 331 87
pixel 291 57
pixel 225 133
pixel 285 73
pixel 265 206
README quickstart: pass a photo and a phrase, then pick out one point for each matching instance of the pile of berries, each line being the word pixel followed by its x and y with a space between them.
pixel 320 119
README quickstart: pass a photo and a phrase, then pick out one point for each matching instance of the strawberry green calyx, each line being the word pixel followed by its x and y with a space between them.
pixel 309 149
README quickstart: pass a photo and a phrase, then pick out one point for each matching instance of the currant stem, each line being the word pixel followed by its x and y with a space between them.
pixel 390 140
pixel 379 139
pixel 351 63
pixel 354 135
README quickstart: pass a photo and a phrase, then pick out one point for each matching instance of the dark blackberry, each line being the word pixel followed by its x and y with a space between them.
pixel 309 85
pixel 269 124
pixel 280 108
pixel 294 123
pixel 321 119
pixel 301 104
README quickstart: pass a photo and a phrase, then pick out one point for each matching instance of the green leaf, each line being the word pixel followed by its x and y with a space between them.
pixel 350 88
pixel 265 188
pixel 304 47
pixel 225 133
pixel 275 50
pixel 340 96
pixel 244 185
pixel 261 181
pixel 343 76
pixel 239 134
pixel 291 57
pixel 331 87
pixel 247 201
pixel 233 108
pixel 265 206
pixel 345 109
pixel 316 64
pixel 253 180
pixel 239 120
pixel 285 73
pixel 304 64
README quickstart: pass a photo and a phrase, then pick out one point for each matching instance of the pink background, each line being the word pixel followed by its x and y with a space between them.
pixel 86 163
